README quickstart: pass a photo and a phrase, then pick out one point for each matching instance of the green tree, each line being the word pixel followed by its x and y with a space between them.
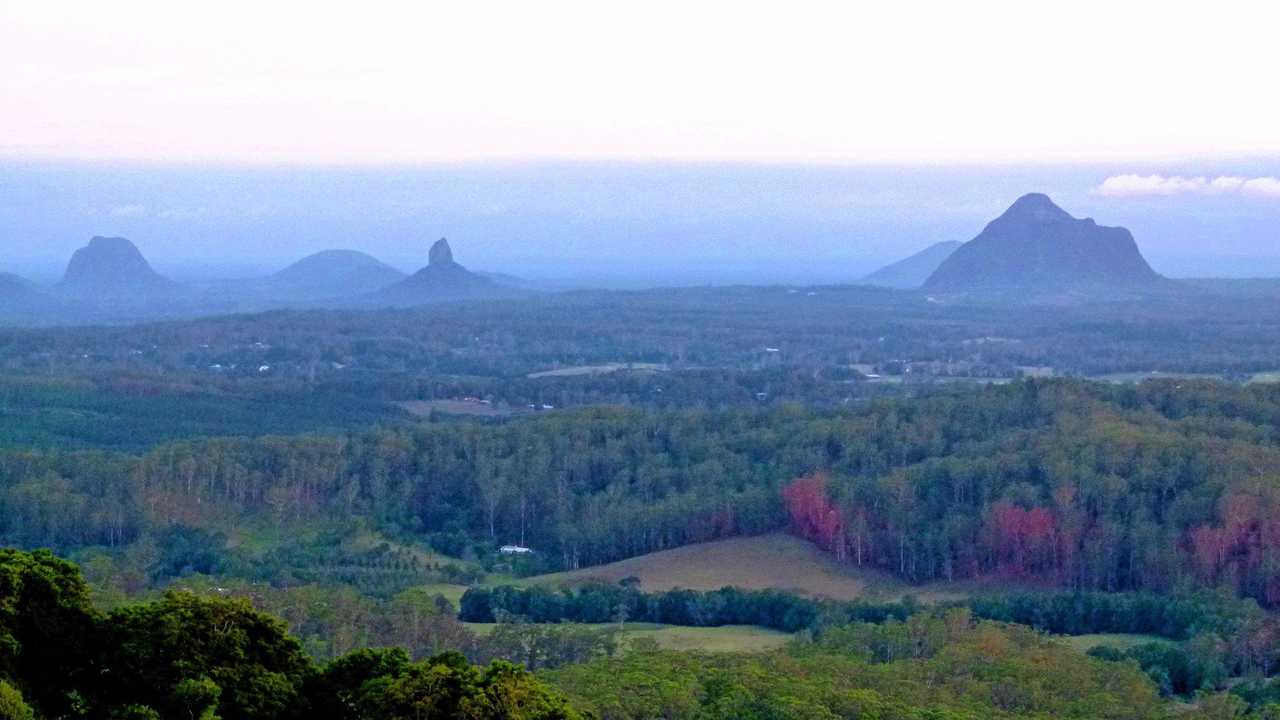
pixel 12 706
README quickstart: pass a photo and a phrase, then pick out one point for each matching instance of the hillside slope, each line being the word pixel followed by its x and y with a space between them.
pixel 776 560
pixel 911 272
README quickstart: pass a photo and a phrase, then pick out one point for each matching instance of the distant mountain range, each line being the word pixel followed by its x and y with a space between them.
pixel 109 280
pixel 911 272
pixel 1033 250
pixel 1036 247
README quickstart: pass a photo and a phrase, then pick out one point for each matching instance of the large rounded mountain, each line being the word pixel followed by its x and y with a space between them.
pixel 112 268
pixel 1036 247
pixel 334 273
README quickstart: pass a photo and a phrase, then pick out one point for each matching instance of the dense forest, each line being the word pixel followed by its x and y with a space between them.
pixel 1079 485
pixel 317 496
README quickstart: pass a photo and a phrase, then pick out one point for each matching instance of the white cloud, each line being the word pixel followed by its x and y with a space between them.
pixel 181 213
pixel 1227 183
pixel 128 211
pixel 1265 186
pixel 1127 185
pixel 1132 185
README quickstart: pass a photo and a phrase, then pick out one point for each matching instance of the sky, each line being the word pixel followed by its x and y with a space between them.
pixel 410 82
pixel 634 143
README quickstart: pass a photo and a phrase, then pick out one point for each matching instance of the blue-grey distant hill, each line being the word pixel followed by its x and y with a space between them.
pixel 911 272
pixel 22 303
pixel 443 279
pixel 333 273
pixel 1037 248
pixel 113 270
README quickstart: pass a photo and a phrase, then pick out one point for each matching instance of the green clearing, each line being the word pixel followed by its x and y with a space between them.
pixel 452 593
pixel 726 638
pixel 1119 641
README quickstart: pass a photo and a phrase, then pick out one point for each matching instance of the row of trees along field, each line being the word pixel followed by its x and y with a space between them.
pixel 1193 643
pixel 1084 486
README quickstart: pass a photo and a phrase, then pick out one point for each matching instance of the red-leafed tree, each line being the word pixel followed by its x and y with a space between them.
pixel 812 514
pixel 1020 540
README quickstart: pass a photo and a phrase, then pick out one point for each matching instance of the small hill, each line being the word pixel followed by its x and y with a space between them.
pixel 334 273
pixel 442 279
pixel 22 303
pixel 1035 247
pixel 112 268
pixel 911 272
pixel 776 560
pixel 14 286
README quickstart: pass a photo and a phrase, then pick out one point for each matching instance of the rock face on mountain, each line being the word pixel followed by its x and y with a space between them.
pixel 911 272
pixel 333 273
pixel 442 279
pixel 111 268
pixel 1036 247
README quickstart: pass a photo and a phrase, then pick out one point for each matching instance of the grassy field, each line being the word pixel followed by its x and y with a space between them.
pixel 423 408
pixel 1137 377
pixel 1083 643
pixel 599 369
pixel 728 638
pixel 776 561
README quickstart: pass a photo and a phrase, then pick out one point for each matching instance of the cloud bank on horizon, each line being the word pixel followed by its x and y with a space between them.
pixel 1133 185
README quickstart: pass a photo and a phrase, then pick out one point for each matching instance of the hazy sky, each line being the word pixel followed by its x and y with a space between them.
pixel 376 82
pixel 638 142
pixel 624 223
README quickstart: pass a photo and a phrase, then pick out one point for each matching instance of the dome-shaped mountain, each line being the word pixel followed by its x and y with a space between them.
pixel 334 273
pixel 911 272
pixel 441 279
pixel 1035 246
pixel 111 267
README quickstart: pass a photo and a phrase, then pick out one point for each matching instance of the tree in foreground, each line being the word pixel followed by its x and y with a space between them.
pixel 186 656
